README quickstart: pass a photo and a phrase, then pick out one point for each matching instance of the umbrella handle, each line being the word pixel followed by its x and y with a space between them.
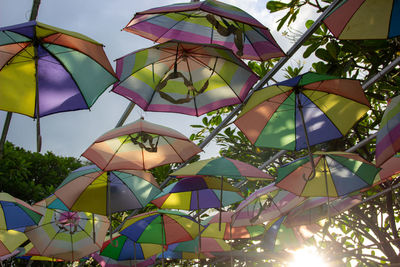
pixel 313 172
pixel 263 207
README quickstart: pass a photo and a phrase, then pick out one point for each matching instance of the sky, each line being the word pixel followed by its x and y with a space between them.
pixel 70 133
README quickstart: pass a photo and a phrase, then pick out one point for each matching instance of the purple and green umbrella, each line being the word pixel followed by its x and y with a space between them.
pixel 209 22
pixel 388 138
pixel 365 19
pixel 15 213
pixel 47 70
pixel 194 193
pixel 181 77
pixel 92 190
pixel 336 174
pixel 263 205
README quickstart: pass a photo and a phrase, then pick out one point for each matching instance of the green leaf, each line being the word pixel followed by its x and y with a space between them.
pixel 282 21
pixel 274 6
pixel 333 49
pixel 323 54
pixel 311 49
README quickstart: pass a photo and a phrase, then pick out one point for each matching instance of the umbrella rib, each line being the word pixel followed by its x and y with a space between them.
pixel 173 148
pixel 18 43
pixel 114 154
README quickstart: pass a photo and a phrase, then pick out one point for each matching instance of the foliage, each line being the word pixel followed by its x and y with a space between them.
pixel 32 176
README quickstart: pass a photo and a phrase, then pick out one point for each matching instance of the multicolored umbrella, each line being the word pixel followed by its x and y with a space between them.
pixel 222 166
pixel 67 235
pixel 229 232
pixel 303 111
pixel 194 193
pixel 211 22
pixel 29 252
pixel 160 227
pixel 92 190
pixel 388 138
pixel 336 174
pixel 180 77
pixel 47 70
pixel 140 145
pixel 279 237
pixel 15 213
pixel 126 249
pixel 10 240
pixel 315 209
pixel 365 19
pixel 265 204
pixel 170 253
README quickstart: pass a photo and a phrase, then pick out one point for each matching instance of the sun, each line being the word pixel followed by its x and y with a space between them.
pixel 307 257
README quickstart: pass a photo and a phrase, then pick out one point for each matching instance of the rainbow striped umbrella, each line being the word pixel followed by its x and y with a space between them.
pixel 15 213
pixel 208 244
pixel 140 145
pixel 47 70
pixel 67 235
pixel 303 111
pixel 229 232
pixel 92 190
pixel 211 22
pixel 336 174
pixel 194 193
pixel 188 78
pixel 29 252
pixel 365 19
pixel 265 204
pixel 315 209
pixel 388 138
pixel 126 249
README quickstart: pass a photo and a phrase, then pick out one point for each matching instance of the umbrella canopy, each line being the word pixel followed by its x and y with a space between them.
pixel 93 190
pixel 160 227
pixel 15 213
pixel 67 235
pixel 208 244
pixel 46 70
pixel 311 108
pixel 279 237
pixel 365 19
pixel 172 254
pixel 10 240
pixel 265 204
pixel 336 174
pixel 210 22
pixel 388 138
pixel 193 193
pixel 227 231
pixel 126 249
pixel 140 145
pixel 29 252
pixel 222 166
pixel 315 209
pixel 188 78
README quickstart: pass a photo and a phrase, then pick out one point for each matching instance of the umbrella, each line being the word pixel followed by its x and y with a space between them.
pixel 210 22
pixel 336 174
pixel 180 77
pixel 170 253
pixel 315 209
pixel 29 252
pixel 140 145
pixel 273 116
pixel 388 138
pixel 229 232
pixel 364 19
pixel 92 190
pixel 15 213
pixel 160 227
pixel 279 237
pixel 47 70
pixel 222 167
pixel 109 262
pixel 10 240
pixel 127 249
pixel 265 204
pixel 67 235
pixel 194 193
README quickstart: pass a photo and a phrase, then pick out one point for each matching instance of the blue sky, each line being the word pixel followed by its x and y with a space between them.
pixel 69 134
